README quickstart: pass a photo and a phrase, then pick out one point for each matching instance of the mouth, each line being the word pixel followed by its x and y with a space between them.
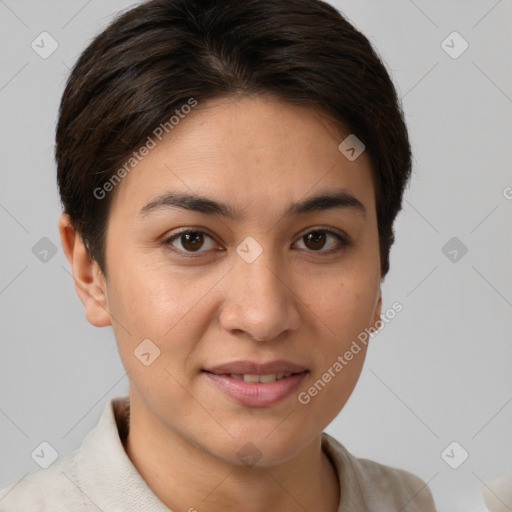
pixel 251 377
pixel 277 367
pixel 256 385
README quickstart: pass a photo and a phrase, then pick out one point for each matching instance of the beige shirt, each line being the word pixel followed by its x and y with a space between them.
pixel 99 476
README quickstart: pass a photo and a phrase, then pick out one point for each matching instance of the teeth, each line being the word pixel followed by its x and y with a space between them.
pixel 270 377
pixel 252 378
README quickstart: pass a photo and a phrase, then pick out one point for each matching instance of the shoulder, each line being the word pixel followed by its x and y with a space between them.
pixel 72 480
pixel 403 489
pixel 377 486
pixel 47 489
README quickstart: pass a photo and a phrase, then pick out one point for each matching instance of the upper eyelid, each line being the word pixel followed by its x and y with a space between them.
pixel 189 230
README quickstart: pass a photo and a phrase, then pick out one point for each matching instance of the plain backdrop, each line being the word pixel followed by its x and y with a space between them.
pixel 439 373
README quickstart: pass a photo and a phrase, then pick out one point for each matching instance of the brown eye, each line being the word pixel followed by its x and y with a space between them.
pixel 325 239
pixel 315 240
pixel 191 241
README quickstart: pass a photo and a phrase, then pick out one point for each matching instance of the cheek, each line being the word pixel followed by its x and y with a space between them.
pixel 151 303
pixel 345 308
pixel 168 306
pixel 154 300
pixel 353 306
pixel 344 303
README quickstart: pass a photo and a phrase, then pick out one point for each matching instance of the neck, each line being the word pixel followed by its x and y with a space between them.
pixel 186 477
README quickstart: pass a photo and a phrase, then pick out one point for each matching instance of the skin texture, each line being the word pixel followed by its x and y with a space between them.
pixel 294 302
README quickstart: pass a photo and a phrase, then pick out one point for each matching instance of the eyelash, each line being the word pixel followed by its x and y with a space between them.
pixel 343 240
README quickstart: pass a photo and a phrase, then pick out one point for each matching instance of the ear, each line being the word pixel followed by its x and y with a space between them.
pixel 89 280
pixel 378 311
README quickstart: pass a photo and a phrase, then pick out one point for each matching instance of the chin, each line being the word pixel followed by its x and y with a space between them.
pixel 264 448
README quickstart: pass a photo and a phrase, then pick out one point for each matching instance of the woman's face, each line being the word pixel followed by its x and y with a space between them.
pixel 267 277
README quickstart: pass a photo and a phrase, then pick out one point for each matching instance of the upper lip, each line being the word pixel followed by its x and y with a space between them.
pixel 254 368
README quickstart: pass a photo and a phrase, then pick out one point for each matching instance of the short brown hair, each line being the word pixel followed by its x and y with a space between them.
pixel 153 58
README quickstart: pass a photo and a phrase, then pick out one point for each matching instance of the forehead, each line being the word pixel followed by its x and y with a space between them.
pixel 246 151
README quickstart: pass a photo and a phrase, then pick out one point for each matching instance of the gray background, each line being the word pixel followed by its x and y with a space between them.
pixel 439 372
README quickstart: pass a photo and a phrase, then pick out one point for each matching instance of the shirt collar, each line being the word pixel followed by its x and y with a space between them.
pixel 105 473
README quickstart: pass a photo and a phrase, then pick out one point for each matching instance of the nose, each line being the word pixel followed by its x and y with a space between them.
pixel 259 301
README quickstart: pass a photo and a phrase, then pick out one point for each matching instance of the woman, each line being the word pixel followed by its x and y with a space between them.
pixel 230 173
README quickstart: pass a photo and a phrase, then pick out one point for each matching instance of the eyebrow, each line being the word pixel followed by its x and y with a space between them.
pixel 324 201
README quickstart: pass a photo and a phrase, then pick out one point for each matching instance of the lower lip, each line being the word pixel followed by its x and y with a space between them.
pixel 257 394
